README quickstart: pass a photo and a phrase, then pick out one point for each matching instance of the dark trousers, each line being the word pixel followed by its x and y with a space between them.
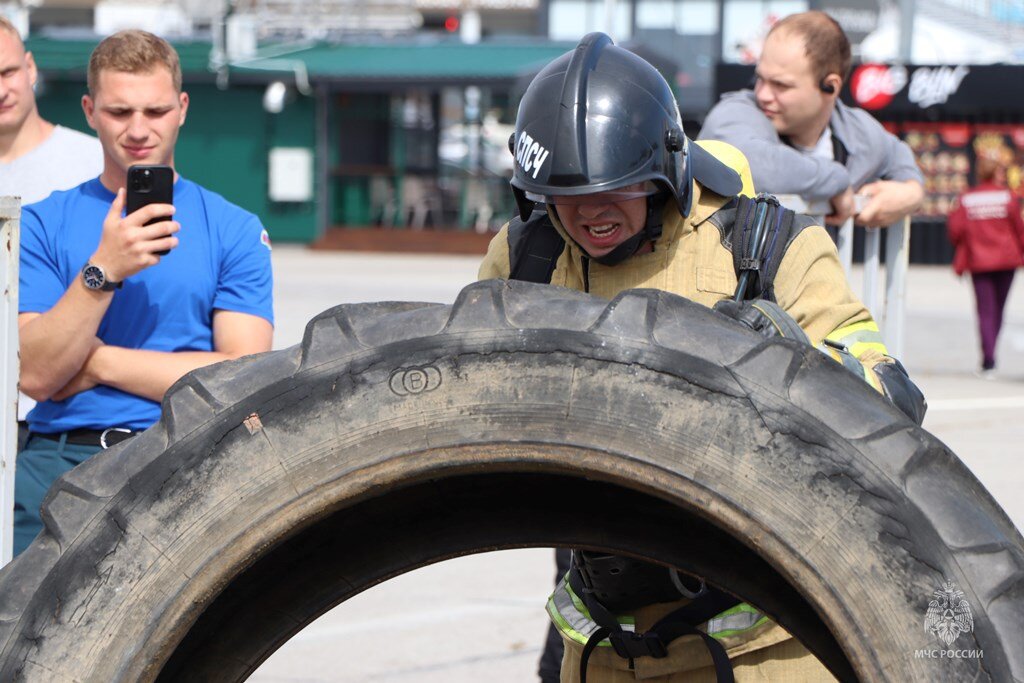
pixel 990 293
pixel 550 668
pixel 38 466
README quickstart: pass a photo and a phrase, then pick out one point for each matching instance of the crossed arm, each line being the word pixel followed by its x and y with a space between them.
pixel 782 169
pixel 776 167
pixel 61 354
pixel 60 359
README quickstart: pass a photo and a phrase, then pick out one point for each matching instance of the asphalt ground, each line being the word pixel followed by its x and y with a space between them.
pixel 481 618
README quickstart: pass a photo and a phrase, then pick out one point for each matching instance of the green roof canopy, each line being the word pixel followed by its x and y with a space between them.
pixel 339 64
pixel 413 62
pixel 55 56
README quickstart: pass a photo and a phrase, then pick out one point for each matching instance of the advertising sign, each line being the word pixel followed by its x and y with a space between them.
pixel 894 92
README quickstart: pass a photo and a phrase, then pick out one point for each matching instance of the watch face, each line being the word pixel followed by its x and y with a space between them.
pixel 94 277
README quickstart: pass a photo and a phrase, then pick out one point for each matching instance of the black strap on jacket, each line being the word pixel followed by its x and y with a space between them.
pixel 533 248
pixel 839 151
pixel 654 642
pixel 756 254
pixel 535 245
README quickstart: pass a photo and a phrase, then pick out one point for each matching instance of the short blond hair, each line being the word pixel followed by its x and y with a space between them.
pixel 7 27
pixel 133 52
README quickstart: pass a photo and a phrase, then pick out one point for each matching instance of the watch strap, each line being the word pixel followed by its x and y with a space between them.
pixel 106 286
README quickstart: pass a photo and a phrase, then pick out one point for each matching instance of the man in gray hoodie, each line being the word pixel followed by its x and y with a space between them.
pixel 801 139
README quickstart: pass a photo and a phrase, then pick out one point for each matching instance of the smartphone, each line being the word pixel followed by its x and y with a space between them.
pixel 150 185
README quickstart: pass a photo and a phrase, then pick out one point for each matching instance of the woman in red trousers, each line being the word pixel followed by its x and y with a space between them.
pixel 987 231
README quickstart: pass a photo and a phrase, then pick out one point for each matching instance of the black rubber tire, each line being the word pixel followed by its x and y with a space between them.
pixel 397 435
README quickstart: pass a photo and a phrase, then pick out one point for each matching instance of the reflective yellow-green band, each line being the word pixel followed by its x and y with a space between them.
pixel 859 338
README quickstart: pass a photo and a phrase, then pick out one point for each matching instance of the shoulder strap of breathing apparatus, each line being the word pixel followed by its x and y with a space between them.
pixel 757 232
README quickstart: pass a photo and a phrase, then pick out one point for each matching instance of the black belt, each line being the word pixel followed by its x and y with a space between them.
pixel 101 438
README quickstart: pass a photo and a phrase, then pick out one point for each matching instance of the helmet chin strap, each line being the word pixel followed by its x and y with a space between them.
pixel 650 233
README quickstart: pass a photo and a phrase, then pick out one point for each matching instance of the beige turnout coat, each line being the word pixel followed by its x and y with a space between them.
pixel 690 260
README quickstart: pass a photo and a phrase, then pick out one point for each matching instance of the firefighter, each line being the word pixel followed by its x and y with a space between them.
pixel 613 196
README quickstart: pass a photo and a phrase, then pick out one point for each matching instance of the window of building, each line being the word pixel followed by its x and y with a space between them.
pixel 573 19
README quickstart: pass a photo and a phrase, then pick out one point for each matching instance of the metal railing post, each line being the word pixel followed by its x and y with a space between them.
pixel 897 263
pixel 888 306
pixel 872 272
pixel 10 214
pixel 844 243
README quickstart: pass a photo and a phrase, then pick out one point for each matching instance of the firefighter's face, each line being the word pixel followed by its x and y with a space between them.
pixel 787 88
pixel 600 222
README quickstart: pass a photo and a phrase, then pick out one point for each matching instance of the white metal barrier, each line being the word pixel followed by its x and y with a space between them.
pixel 888 309
pixel 10 214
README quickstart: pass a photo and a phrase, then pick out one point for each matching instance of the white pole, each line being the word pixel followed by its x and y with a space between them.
pixel 844 244
pixel 872 272
pixel 10 214
pixel 897 258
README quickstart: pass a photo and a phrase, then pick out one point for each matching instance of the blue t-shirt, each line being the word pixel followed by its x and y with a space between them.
pixel 222 262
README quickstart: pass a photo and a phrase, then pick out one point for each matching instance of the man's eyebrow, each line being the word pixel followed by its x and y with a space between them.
pixel 773 79
pixel 127 107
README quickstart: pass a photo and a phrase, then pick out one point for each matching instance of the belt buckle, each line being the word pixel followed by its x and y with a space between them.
pixel 631 645
pixel 103 435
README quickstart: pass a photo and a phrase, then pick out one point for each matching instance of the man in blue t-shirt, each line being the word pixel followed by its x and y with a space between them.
pixel 106 324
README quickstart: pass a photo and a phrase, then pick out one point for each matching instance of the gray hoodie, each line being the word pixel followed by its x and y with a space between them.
pixel 872 152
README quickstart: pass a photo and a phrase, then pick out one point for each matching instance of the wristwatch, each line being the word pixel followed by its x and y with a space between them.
pixel 95 278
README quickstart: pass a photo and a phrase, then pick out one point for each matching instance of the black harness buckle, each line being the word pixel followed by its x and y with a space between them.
pixel 748 263
pixel 630 645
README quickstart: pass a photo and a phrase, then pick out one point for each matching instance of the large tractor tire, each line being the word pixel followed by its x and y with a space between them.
pixel 397 435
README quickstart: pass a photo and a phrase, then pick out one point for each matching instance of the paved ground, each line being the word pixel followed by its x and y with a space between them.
pixel 481 618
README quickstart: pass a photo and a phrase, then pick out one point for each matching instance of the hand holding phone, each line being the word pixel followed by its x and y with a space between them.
pixel 150 185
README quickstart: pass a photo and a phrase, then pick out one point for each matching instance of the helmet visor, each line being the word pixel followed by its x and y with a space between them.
pixel 621 194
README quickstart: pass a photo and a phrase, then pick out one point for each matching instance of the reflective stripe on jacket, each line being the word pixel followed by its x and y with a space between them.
pixel 737 627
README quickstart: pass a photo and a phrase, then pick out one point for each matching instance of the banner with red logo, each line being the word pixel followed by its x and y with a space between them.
pixel 915 91
pixel 878 86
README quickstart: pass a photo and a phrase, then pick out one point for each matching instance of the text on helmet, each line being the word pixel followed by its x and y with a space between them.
pixel 529 154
